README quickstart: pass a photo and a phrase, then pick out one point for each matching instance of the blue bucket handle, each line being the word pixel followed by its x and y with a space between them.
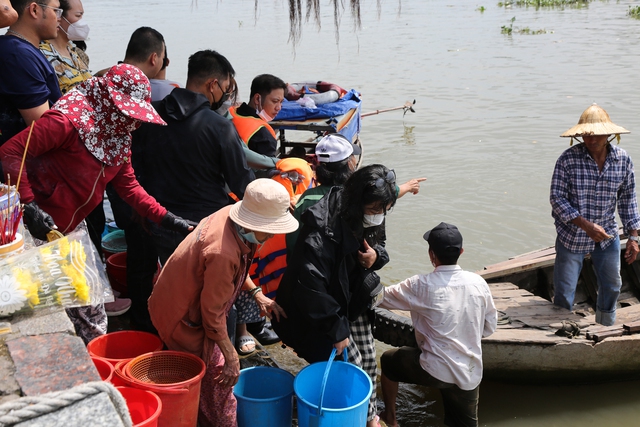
pixel 326 376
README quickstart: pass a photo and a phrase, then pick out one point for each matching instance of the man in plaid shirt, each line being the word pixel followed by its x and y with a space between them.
pixel 588 181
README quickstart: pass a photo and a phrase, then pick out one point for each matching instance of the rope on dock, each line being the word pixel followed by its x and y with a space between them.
pixel 29 407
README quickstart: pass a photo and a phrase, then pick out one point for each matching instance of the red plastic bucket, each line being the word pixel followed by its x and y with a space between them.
pixel 117 272
pixel 123 345
pixel 105 369
pixel 144 406
pixel 119 378
pixel 175 377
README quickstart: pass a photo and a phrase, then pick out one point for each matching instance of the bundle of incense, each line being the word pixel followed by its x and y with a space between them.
pixel 10 215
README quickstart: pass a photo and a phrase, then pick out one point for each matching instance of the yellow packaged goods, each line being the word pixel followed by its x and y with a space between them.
pixel 63 272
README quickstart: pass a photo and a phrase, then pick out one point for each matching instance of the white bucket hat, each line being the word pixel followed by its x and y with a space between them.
pixel 264 208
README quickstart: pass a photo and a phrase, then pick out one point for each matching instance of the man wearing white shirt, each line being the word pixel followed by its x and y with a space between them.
pixel 451 310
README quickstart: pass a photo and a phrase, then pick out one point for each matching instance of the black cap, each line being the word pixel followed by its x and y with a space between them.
pixel 444 238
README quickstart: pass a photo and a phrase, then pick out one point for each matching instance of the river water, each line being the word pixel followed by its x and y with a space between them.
pixel 489 109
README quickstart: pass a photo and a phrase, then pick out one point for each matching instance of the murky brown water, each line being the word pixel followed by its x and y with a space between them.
pixel 489 107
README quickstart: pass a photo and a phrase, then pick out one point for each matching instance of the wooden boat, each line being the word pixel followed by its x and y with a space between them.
pixel 525 346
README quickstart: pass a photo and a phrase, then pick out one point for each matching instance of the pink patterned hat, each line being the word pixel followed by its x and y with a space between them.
pixel 105 110
pixel 131 93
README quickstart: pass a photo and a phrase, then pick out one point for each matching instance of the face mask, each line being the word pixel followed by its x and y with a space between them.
pixel 218 104
pixel 133 125
pixel 78 31
pixel 265 116
pixel 249 236
pixel 372 220
pixel 262 113
pixel 224 109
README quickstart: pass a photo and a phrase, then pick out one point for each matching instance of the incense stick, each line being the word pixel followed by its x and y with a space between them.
pixel 24 156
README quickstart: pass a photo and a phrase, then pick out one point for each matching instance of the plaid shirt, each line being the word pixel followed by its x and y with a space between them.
pixel 578 188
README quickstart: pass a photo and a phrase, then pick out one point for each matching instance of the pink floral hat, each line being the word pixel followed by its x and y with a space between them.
pixel 105 110
pixel 131 93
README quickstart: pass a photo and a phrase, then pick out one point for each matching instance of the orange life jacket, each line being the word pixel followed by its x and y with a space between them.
pixel 247 126
pixel 294 164
pixel 270 260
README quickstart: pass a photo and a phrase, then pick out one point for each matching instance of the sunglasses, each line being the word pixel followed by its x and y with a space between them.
pixel 390 178
pixel 57 10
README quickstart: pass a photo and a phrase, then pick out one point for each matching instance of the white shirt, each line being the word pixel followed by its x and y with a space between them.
pixel 161 88
pixel 451 310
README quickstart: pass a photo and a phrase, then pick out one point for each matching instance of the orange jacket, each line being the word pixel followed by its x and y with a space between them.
pixel 270 260
pixel 247 126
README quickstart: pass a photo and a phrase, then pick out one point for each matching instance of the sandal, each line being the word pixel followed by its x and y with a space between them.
pixel 245 340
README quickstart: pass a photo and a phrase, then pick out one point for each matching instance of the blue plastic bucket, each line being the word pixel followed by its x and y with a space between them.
pixel 114 243
pixel 332 394
pixel 265 397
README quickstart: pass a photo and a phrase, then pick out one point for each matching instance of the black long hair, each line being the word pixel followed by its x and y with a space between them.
pixel 369 185
pixel 334 173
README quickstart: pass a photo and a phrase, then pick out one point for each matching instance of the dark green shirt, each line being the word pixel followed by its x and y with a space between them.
pixel 308 199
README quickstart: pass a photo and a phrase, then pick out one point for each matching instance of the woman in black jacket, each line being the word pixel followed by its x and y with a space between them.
pixel 329 286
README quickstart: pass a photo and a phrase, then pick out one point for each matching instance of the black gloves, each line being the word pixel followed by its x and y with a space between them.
pixel 175 223
pixel 37 221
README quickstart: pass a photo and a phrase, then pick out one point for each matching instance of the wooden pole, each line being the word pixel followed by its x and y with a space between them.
pixel 408 106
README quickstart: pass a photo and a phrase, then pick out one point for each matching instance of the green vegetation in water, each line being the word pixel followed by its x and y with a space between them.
pixel 481 9
pixel 509 30
pixel 528 30
pixel 634 12
pixel 545 3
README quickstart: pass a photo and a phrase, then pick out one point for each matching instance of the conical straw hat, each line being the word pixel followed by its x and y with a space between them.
pixel 594 121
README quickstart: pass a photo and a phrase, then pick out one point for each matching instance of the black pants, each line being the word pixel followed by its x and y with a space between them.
pixel 460 406
pixel 142 264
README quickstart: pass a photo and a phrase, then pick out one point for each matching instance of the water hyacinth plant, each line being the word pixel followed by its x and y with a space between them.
pixel 634 12
pixel 545 3
pixel 509 30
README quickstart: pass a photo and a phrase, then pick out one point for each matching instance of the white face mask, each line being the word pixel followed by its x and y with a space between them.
pixel 249 236
pixel 224 108
pixel 78 31
pixel 262 113
pixel 265 116
pixel 372 220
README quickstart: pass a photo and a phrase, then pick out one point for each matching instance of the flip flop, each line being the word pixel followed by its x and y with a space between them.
pixel 242 341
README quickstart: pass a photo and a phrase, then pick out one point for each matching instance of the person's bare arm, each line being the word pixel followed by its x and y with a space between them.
pixel 592 229
pixel 8 15
pixel 412 186
pixel 32 114
pixel 231 369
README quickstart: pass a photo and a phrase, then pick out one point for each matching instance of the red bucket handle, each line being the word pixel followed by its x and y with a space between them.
pixel 166 390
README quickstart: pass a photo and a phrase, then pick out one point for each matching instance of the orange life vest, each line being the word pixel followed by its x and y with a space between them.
pixel 294 164
pixel 270 260
pixel 247 126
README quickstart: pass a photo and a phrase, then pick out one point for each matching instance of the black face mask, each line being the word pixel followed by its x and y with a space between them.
pixel 217 104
